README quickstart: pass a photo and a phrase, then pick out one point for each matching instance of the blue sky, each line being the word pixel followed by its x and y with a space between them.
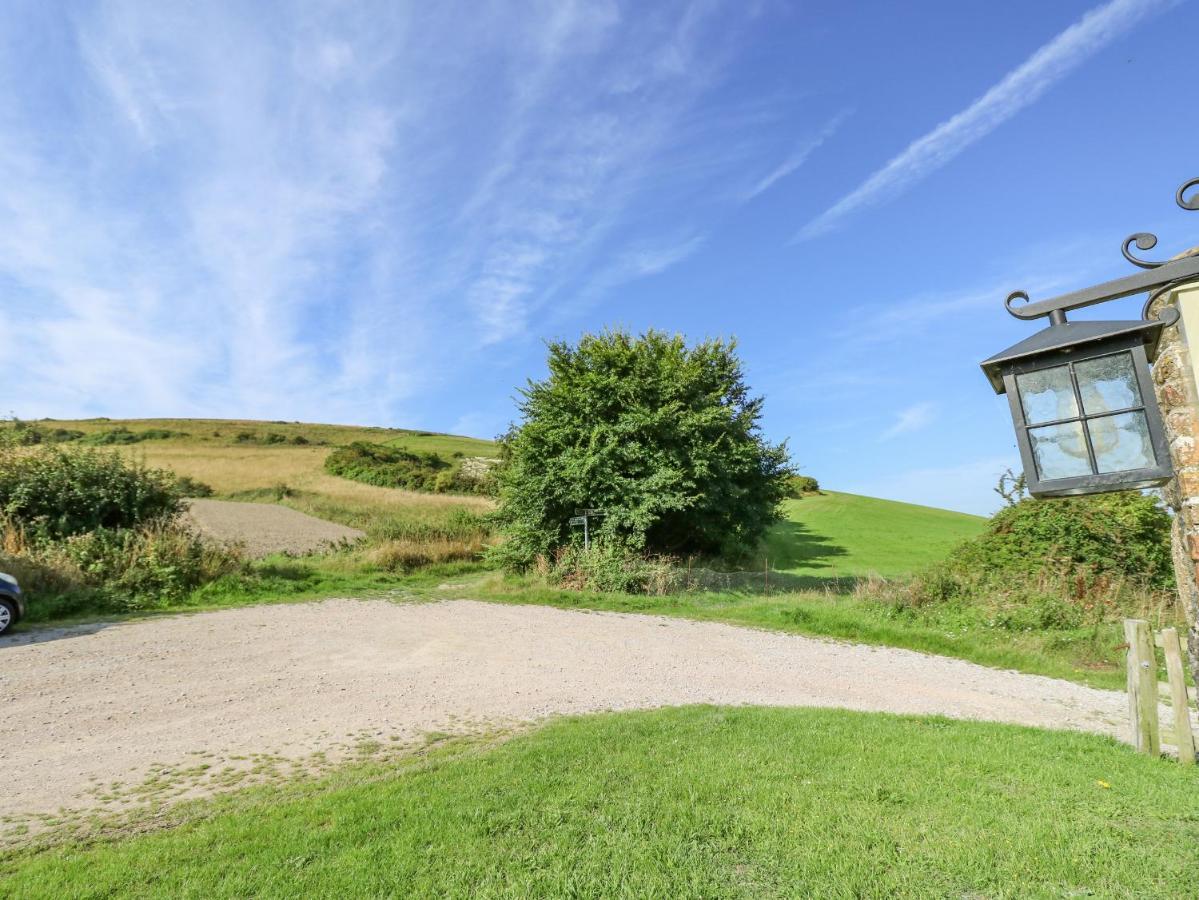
pixel 377 213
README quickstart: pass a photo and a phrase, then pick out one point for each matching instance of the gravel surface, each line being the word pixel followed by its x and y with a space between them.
pixel 264 528
pixel 94 705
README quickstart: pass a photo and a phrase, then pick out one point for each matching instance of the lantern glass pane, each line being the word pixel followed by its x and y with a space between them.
pixel 1060 450
pixel 1107 383
pixel 1121 442
pixel 1047 395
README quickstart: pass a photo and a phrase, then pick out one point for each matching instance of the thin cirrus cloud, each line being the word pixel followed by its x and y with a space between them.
pixel 1020 88
pixel 806 148
pixel 912 418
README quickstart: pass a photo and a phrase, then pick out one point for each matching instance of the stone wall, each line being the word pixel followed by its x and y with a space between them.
pixel 1174 378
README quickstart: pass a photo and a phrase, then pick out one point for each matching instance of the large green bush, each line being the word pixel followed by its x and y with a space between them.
pixel 799 485
pixel 87 530
pixel 59 491
pixel 399 467
pixel 383 466
pixel 1117 535
pixel 663 437
pixel 1060 563
pixel 20 432
pixel 122 435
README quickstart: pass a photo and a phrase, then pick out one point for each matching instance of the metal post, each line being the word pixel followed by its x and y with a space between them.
pixel 586 535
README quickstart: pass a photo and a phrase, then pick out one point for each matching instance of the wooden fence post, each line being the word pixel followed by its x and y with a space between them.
pixel 1183 736
pixel 1142 687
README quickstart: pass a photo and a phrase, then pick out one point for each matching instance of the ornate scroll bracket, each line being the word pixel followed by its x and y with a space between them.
pixel 1157 276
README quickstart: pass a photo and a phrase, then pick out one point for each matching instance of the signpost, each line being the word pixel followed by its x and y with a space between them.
pixel 581 517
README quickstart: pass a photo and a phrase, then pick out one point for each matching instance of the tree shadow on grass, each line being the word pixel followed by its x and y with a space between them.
pixel 789 546
pixel 792 545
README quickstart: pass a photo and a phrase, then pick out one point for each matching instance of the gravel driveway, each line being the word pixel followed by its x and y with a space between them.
pixel 264 528
pixel 94 705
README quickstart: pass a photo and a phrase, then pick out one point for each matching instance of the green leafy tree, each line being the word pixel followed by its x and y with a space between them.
pixel 664 438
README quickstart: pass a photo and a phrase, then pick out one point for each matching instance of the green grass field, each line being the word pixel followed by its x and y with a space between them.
pixel 692 802
pixel 833 535
pixel 220 432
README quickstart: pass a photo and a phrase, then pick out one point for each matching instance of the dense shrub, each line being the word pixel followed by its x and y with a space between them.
pixel 798 485
pixel 114 569
pixel 186 486
pixel 399 467
pixel 383 466
pixel 663 437
pixel 60 491
pixel 88 529
pixel 1117 535
pixel 1060 563
pixel 27 434
pixel 122 435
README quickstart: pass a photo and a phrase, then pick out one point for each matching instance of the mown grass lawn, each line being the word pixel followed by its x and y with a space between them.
pixel 692 802
pixel 834 535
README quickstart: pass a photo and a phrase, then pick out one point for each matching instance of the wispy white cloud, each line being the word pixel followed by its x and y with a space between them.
pixel 909 419
pixel 328 211
pixel 577 148
pixel 1020 88
pixel 799 156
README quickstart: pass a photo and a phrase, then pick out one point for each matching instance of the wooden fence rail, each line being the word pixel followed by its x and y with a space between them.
pixel 1143 694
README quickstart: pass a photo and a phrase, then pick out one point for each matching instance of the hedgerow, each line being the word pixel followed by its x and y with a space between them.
pixel 399 467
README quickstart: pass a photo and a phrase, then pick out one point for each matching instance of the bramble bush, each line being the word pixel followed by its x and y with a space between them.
pixel 798 485
pixel 663 437
pixel 58 491
pixel 29 433
pixel 399 467
pixel 87 529
pixel 122 435
pixel 1060 563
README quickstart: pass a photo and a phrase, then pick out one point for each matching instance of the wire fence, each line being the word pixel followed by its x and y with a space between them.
pixel 676 579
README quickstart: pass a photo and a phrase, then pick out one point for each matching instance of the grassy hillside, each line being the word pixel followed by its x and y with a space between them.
pixel 833 535
pixel 284 462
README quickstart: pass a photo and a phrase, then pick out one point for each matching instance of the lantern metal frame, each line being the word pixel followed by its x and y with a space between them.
pixel 1069 343
pixel 1095 481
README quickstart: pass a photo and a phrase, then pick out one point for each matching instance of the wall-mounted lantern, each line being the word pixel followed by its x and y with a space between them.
pixel 1083 405
pixel 1080 393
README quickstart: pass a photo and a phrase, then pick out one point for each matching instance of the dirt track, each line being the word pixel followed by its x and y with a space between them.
pixel 264 528
pixel 96 705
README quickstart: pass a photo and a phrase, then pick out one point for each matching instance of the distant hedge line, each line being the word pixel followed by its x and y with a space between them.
pixel 399 467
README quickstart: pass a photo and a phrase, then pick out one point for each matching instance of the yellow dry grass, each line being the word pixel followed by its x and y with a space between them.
pixel 232 469
pixel 238 470
pixel 404 555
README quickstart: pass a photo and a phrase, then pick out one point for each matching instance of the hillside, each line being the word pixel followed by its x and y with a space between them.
pixel 283 462
pixel 237 456
pixel 825 535
pixel 831 535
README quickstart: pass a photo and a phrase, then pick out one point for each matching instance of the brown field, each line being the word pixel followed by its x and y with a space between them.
pixel 208 450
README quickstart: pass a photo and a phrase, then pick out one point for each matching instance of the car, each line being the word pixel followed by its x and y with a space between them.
pixel 12 604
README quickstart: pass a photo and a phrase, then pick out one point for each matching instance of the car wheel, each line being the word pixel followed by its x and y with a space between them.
pixel 8 615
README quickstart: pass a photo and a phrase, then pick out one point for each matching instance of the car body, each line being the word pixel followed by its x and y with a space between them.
pixel 12 602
